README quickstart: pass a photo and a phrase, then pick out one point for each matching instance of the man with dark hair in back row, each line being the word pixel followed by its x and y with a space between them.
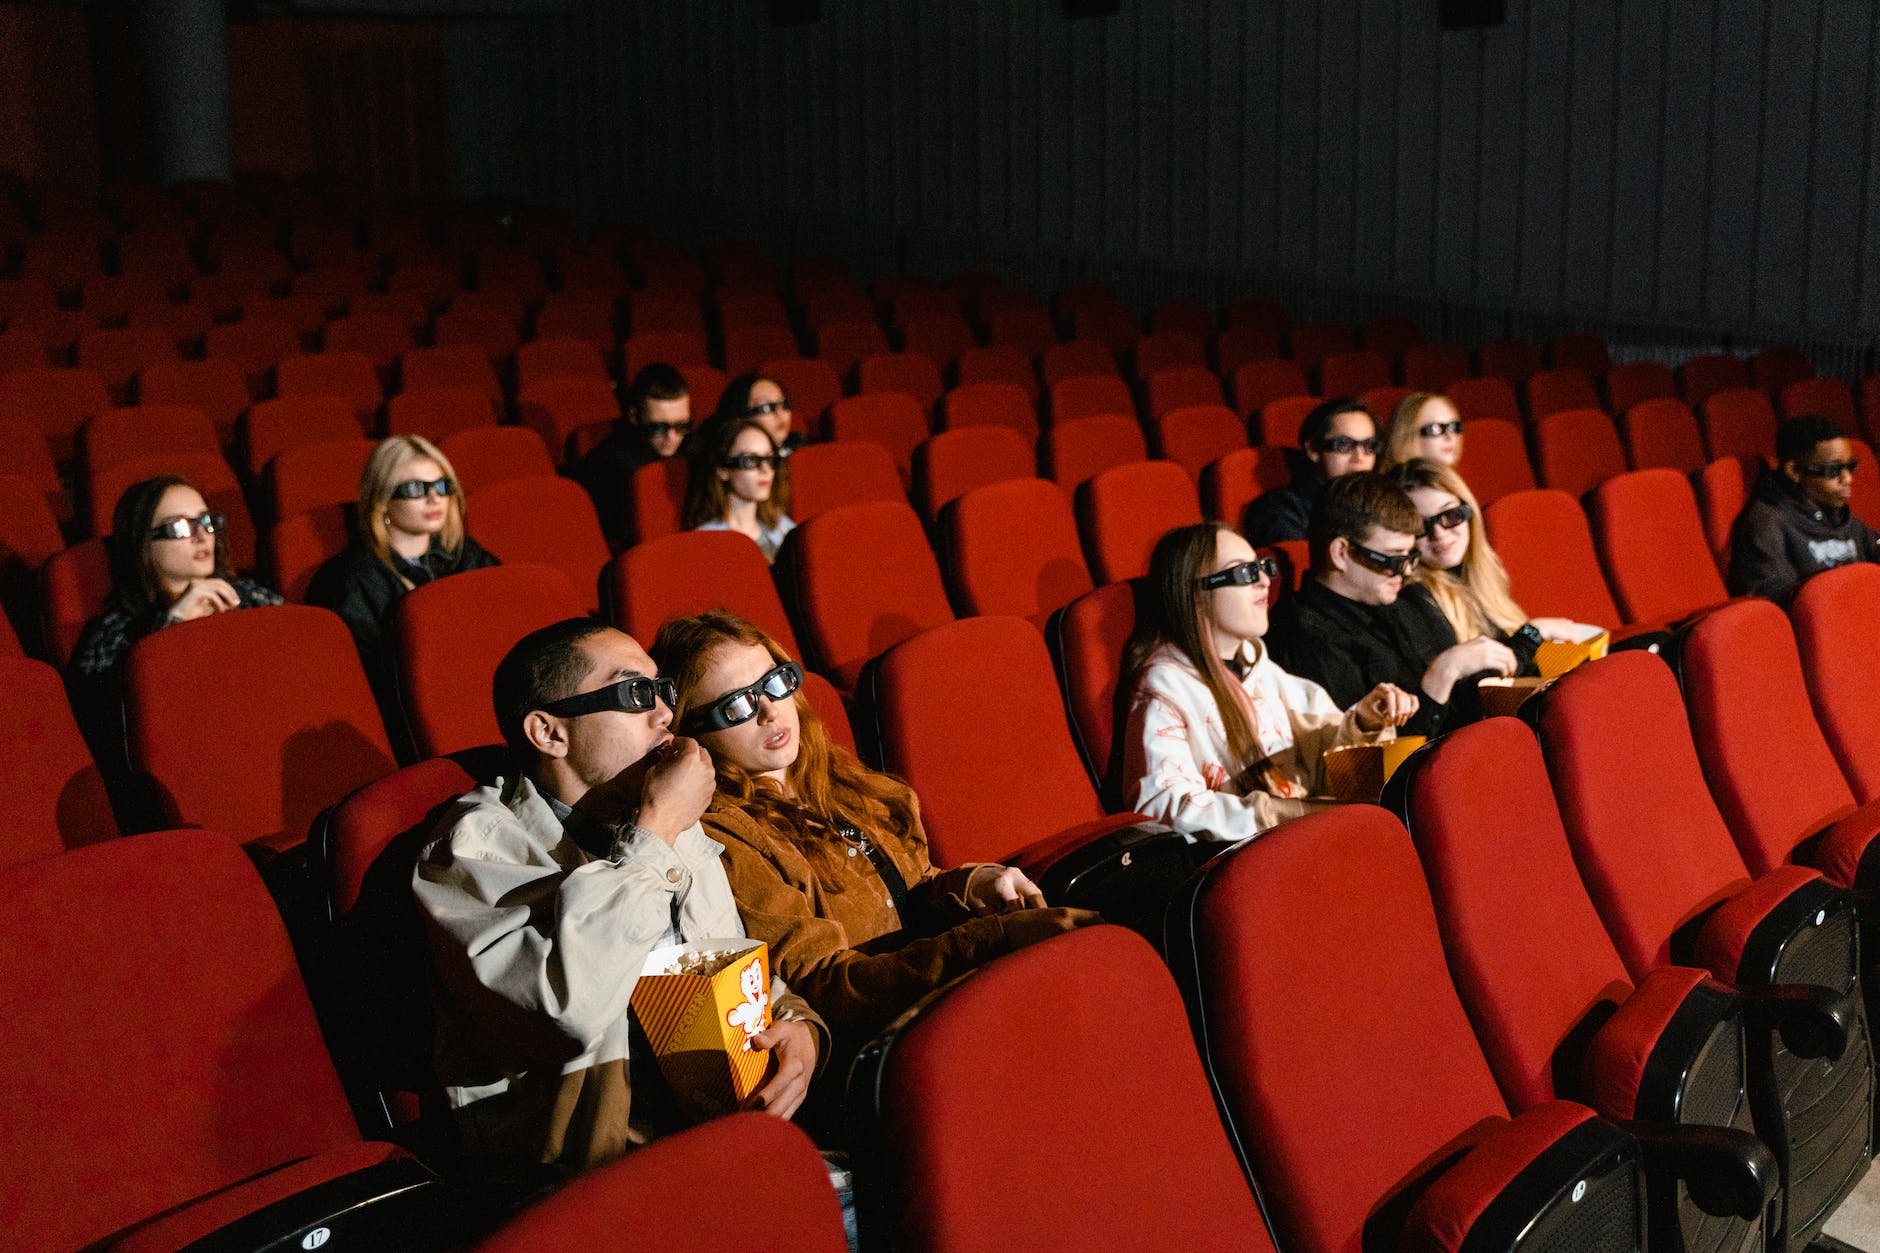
pixel 542 894
pixel 1797 522
pixel 1337 438
pixel 1357 621
pixel 655 421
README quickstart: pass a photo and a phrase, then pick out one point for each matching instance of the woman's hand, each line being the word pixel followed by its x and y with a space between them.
pixel 995 889
pixel 1461 660
pixel 203 597
pixel 1385 705
pixel 794 1046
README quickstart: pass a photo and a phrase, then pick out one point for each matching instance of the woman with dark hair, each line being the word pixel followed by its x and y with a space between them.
pixel 762 398
pixel 827 858
pixel 1221 743
pixel 169 564
pixel 742 484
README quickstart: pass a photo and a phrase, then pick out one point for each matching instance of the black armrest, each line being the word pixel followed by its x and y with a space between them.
pixel 1814 1021
pixel 1730 1173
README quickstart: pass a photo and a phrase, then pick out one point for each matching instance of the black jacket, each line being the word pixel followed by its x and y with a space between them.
pixel 605 470
pixel 1782 537
pixel 1282 514
pixel 364 591
pixel 1349 648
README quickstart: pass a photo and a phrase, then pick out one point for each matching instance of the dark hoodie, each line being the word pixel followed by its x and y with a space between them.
pixel 1782 537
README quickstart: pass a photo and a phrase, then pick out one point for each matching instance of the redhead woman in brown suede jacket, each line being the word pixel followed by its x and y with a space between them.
pixel 827 858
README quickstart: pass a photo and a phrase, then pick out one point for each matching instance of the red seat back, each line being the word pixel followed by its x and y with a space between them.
pixel 558 407
pixel 439 409
pixel 1723 489
pixel 290 421
pixel 1257 382
pixel 1830 398
pixel 860 579
pixel 1663 432
pixel 544 522
pixel 1086 395
pixel 1308 343
pixel 1279 421
pixel 217 1068
pixel 1075 359
pixel 1434 367
pixel 1075 451
pixel 1651 541
pixel 294 549
pixel 218 388
pixel 1171 350
pixel 1637 382
pixel 75 584
pixel 1547 548
pixel 1554 391
pixel 1578 450
pixel 350 375
pixel 1582 351
pixel 1772 773
pixel 952 463
pixel 689 572
pixel 560 357
pixel 811 386
pixel 1775 366
pixel 1482 399
pixel 990 574
pixel 998 363
pixel 56 797
pixel 1348 373
pixel 1495 460
pixel 57 401
pixel 1832 612
pixel 1181 387
pixel 988 787
pixel 1197 436
pixel 292 739
pixel 1739 422
pixel 828 476
pixel 1514 361
pixel 1123 511
pixel 894 420
pixel 1087 638
pixel 911 372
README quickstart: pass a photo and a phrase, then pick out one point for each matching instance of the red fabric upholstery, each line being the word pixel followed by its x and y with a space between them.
pixel 1338 1047
pixel 1348 373
pixel 1182 387
pixel 450 635
pixel 1578 449
pixel 1530 957
pixel 1391 335
pixel 1544 542
pixel 216 1070
pixel 560 357
pixel 910 372
pixel 291 738
pixel 1199 435
pixel 1434 367
pixel 273 426
pixel 1830 398
pixel 1772 773
pixel 1495 460
pixel 844 343
pixel 1651 847
pixel 25 452
pixel 1087 641
pixel 1775 366
pixel 1309 343
pixel 1086 395
pixel 256 345
pixel 491 331
pixel 1108 323
pixel 351 375
pixel 1279 421
pixel 29 537
pixel 378 337
pixel 75 584
pixel 1116 1026
pixel 1512 360
pixel 1723 488
pixel 811 386
pixel 1481 399
pixel 998 363
pixel 1078 358
pixel 1026 328
pixel 748 347
pixel 1582 351
pixel 1616 1058
pixel 542 521
pixel 988 786
pixel 1832 613
pixel 1726 934
pixel 1636 383
pixel 56 797
pixel 294 549
pixel 861 579
pixel 307 477
pixel 1075 451
pixel 1192 317
pixel 437 410
pixel 675 1192
pixel 939 336
pixel 119 353
pixel 656 498
pixel 205 470
pixel 894 420
pixel 1558 390
pixel 1651 541
pixel 1443 1217
pixel 829 476
pixel 1123 511
pixel 57 401
pixel 1257 382
pixel 447 365
pixel 558 407
pixel 122 434
pixel 952 463
pixel 1172 350
pixel 992 574
pixel 1739 422
pixel 1663 432
pixel 689 572
pixel 1231 483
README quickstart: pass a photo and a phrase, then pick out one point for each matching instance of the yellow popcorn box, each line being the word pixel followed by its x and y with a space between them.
pixel 1555 658
pixel 1358 772
pixel 700 1004
pixel 1503 696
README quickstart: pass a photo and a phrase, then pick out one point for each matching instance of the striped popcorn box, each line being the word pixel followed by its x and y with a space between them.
pixel 1358 772
pixel 700 1004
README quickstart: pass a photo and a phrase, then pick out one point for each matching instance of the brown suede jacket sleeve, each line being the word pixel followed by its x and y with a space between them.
pixel 836 938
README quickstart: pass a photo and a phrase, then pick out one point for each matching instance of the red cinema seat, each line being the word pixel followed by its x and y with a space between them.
pixel 656 498
pixel 937 1182
pixel 811 386
pixel 675 348
pixel 1545 544
pixel 1198 436
pixel 297 545
pixel 1739 422
pixel 1434 367
pixel 829 476
pixel 486 455
pixel 676 576
pixel 560 357
pixel 941 337
pixel 789 1204
pixel 990 404
pixel 1087 639
pixel 1723 488
pixel 29 537
pixel 1831 614
pixel 990 574
pixel 378 337
pixel 748 347
pixel 1123 511
pixel 997 363
pixel 1382 402
pixel 1582 351
pixel 57 797
pixel 207 472
pixel 57 401
pixel 1230 483
pixel 1390 336
pixel 1636 382
pixel 1555 391
pixel 1577 449
pixel 1348 373
pixel 1555 1010
pixel 220 1114
pixel 118 435
pixel 272 426
pixel 1075 359
pixel 1106 322
pixel 255 345
pixel 1830 398
pixel 450 365
pixel 1865 501
pixel 349 375
pixel 1702 377
pixel 1259 382
pixel 1237 346
pixel 74 586
pixel 910 372
pixel 844 343
pixel 1775 366
pixel 492 332
pixel 315 476
pixel 1663 432
pixel 558 407
pixel 1026 328
pixel 1348 1072
pixel 450 635
pixel 119 353
pixel 293 739
pixel 859 580
pixel 1278 422
pixel 1171 350
pixel 1485 399
pixel 1181 387
pixel 25 452
pixel 1191 317
pixel 1087 395
pixel 1072 452
pixel 894 420
pixel 1774 778
pixel 1651 542
pixel 1309 343
pixel 952 463
pixel 434 285
pixel 1514 361
pixel 22 349
pixel 544 522
pixel 437 410
pixel 218 388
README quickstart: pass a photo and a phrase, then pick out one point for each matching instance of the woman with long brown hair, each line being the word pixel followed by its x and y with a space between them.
pixel 827 858
pixel 742 484
pixel 1221 743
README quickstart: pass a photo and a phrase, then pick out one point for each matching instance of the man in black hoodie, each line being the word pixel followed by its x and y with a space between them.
pixel 1797 522
pixel 1338 437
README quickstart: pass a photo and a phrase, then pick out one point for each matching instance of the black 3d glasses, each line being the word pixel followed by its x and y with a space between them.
pixel 183 528
pixel 1342 444
pixel 635 696
pixel 415 489
pixel 740 706
pixel 1385 563
pixel 1454 516
pixel 1244 574
pixel 1430 430
pixel 1828 469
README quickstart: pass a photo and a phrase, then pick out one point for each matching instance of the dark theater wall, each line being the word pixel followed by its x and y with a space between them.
pixel 1656 169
